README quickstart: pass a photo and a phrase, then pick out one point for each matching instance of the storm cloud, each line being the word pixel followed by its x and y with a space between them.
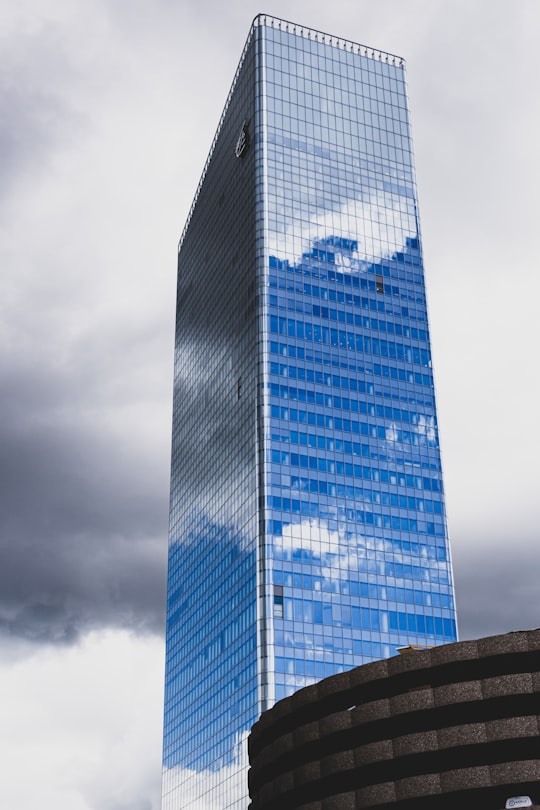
pixel 83 503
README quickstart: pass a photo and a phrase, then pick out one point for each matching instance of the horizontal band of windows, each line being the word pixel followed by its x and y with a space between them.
pixel 366 518
pixel 336 488
pixel 336 423
pixel 372 473
pixel 305 330
pixel 434 575
pixel 375 304
pixel 291 372
pixel 312 611
pixel 437 574
pixel 330 465
pixel 396 269
pixel 423 437
pixel 351 318
pixel 320 669
pixel 389 372
pixel 336 444
pixel 360 282
pixel 367 590
pixel 411 551
pixel 392 268
pixel 304 103
pixel 323 442
pixel 379 304
pixel 387 544
pixel 332 143
pixel 427 421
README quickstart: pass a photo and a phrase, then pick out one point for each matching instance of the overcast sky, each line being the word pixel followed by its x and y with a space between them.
pixel 108 108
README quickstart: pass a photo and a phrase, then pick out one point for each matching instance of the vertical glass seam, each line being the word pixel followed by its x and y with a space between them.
pixel 264 620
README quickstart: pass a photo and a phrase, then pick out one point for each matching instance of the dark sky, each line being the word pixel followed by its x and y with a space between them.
pixel 107 113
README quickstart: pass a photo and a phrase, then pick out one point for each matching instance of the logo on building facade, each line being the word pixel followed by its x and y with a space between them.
pixel 243 141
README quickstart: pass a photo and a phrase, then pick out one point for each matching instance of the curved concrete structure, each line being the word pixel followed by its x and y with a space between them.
pixel 449 727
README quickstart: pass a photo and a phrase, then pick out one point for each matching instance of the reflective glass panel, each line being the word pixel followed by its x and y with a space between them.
pixel 307 528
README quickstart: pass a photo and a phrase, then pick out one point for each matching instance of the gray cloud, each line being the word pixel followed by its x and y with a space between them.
pixel 497 586
pixel 26 131
pixel 83 520
pixel 142 804
pixel 84 465
pixel 85 341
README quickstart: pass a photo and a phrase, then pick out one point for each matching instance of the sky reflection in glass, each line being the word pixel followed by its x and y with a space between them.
pixel 308 530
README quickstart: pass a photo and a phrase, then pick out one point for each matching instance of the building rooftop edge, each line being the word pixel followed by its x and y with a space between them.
pixel 299 30
pixel 327 39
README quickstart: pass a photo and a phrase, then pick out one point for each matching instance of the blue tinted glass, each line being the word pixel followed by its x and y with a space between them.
pixel 308 530
pixel 352 451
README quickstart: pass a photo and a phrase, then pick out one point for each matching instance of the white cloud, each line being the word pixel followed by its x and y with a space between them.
pixel 81 726
pixel 310 535
pixel 380 225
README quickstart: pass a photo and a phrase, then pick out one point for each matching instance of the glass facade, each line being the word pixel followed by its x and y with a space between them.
pixel 307 530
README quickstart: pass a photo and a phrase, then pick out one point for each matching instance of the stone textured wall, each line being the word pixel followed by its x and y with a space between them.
pixel 451 727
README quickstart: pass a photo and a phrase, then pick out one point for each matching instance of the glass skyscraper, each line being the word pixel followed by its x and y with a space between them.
pixel 307 521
